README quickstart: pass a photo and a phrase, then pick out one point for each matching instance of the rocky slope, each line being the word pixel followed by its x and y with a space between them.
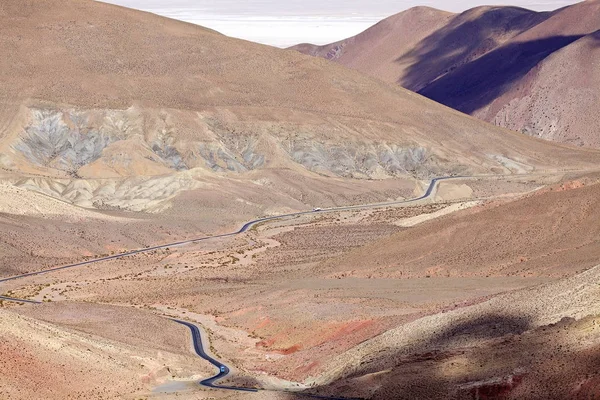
pixel 554 100
pixel 102 367
pixel 378 50
pixel 536 343
pixel 539 342
pixel 505 65
pixel 116 109
pixel 419 45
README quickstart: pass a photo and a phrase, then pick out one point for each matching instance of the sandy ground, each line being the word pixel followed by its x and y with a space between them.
pixel 547 347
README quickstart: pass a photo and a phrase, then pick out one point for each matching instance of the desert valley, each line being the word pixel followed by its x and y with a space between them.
pixel 410 213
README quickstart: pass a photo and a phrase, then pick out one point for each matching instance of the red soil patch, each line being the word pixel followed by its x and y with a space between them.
pixel 305 369
pixel 572 185
pixel 266 343
pixel 19 363
pixel 347 329
pixel 588 389
pixel 262 323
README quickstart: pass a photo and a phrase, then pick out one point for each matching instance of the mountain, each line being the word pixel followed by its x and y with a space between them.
pixel 95 97
pixel 505 65
pixel 545 233
pixel 123 130
pixel 115 109
pixel 554 100
pixel 110 108
pixel 376 50
pixel 417 46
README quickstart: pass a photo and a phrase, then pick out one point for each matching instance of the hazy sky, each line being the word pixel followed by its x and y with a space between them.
pixel 287 22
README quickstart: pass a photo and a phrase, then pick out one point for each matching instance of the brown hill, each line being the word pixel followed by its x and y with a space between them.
pixel 102 93
pixel 376 50
pixel 546 234
pixel 112 108
pixel 115 109
pixel 540 342
pixel 486 62
pixel 554 100
pixel 474 86
pixel 67 358
pixel 536 343
pixel 417 46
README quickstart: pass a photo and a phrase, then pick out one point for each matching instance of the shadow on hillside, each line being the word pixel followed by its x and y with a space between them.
pixel 453 45
pixel 493 357
pixel 478 83
pixel 596 36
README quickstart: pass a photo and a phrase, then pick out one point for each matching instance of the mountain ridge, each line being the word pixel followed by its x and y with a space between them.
pixel 483 59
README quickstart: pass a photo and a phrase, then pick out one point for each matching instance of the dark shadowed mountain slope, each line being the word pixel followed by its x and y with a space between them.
pixel 487 62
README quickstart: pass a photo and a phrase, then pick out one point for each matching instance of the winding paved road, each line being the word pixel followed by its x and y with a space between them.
pixel 243 229
pixel 19 300
pixel 199 349
pixel 196 334
pixel 224 369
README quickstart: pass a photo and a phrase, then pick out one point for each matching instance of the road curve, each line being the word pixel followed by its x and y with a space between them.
pixel 243 229
pixel 222 368
pixel 196 335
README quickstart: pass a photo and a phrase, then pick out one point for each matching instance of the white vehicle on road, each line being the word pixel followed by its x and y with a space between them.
pixel 317 209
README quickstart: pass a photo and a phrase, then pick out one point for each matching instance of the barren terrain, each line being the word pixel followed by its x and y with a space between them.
pixel 283 303
pixel 528 71
pixel 122 130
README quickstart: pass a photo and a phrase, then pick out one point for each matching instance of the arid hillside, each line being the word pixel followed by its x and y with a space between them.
pixel 546 234
pixel 96 95
pixel 535 343
pixel 509 66
pixel 376 51
pixel 88 365
pixel 539 342
pixel 419 45
pixel 555 100
pixel 134 147
pixel 493 291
